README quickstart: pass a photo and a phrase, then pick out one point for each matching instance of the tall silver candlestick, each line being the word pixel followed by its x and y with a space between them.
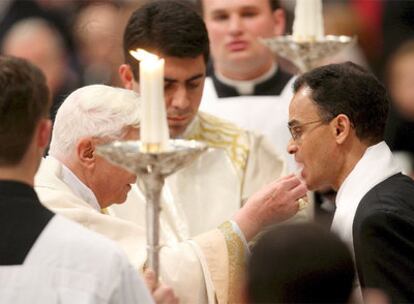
pixel 307 54
pixel 152 169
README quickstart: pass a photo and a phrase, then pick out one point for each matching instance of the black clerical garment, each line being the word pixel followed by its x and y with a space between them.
pixel 383 238
pixel 272 86
pixel 22 219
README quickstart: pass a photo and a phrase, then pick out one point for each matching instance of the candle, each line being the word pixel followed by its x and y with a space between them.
pixel 154 133
pixel 308 24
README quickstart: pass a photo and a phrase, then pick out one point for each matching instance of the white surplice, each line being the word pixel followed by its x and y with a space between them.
pixel 69 264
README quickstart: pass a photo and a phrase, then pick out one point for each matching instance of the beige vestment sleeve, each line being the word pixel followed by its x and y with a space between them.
pixel 224 252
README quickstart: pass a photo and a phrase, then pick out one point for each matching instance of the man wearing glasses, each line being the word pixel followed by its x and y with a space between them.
pixel 337 119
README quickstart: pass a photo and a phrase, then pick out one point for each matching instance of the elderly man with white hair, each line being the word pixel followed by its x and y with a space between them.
pixel 75 182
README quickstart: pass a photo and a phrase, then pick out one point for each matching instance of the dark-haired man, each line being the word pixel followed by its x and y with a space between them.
pixel 45 258
pixel 337 120
pixel 247 85
pixel 301 263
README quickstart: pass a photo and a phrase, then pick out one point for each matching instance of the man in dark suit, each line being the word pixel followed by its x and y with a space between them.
pixel 337 119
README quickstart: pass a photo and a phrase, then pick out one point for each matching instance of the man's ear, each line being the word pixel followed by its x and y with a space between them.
pixel 341 126
pixel 126 75
pixel 85 152
pixel 43 133
pixel 279 18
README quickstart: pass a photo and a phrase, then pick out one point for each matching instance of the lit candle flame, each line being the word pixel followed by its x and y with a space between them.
pixel 154 133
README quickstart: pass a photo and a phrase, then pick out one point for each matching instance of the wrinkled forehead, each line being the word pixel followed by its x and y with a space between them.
pixel 302 107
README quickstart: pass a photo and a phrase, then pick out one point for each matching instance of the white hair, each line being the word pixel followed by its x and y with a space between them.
pixel 94 111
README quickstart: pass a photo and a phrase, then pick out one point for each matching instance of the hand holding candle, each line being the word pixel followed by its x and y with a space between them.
pixel 308 24
pixel 154 127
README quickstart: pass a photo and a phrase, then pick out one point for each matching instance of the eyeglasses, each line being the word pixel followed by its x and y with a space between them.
pixel 296 130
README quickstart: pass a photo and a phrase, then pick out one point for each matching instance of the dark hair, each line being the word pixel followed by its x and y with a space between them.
pixel 349 89
pixel 274 5
pixel 172 28
pixel 24 100
pixel 300 263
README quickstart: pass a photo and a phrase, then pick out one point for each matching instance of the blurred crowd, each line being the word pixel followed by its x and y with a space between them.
pixel 75 43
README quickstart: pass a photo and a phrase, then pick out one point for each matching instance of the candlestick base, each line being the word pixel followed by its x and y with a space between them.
pixel 306 54
pixel 152 168
pixel 150 148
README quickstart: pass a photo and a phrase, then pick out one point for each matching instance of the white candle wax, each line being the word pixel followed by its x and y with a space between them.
pixel 308 23
pixel 153 127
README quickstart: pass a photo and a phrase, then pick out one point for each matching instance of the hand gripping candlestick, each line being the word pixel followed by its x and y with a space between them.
pixel 154 157
pixel 308 44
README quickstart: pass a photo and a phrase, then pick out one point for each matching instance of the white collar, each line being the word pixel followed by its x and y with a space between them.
pixel 376 165
pixel 246 87
pixel 79 188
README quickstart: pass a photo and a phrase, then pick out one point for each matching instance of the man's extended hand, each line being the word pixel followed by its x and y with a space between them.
pixel 273 203
pixel 161 293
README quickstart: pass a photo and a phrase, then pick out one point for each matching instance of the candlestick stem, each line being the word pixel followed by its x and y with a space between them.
pixel 152 169
pixel 152 184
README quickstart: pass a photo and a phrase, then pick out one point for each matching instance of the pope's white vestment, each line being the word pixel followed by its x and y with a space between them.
pixel 198 269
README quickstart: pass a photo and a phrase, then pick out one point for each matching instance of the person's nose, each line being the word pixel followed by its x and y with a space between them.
pixel 179 99
pixel 235 25
pixel 292 147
